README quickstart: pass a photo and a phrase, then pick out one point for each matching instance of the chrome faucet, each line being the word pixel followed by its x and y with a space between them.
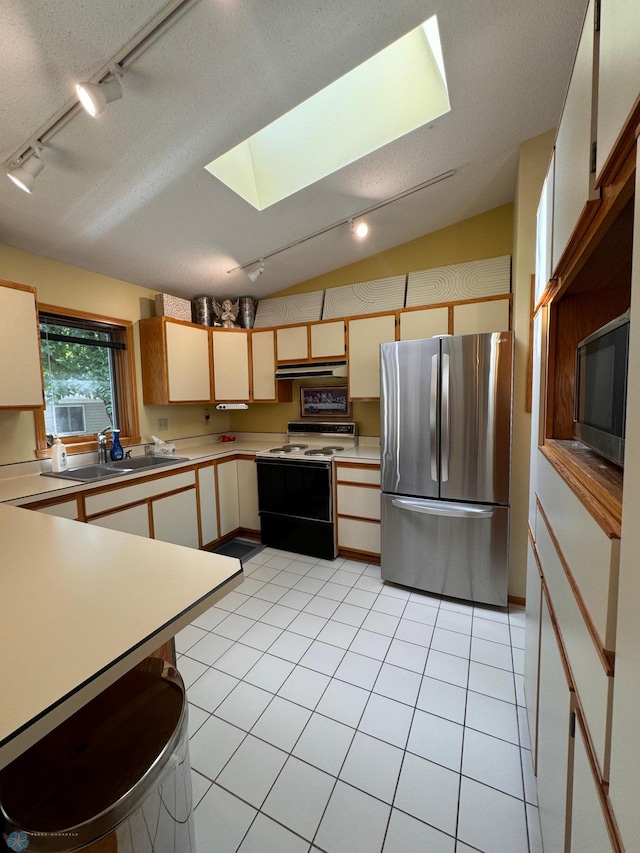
pixel 102 445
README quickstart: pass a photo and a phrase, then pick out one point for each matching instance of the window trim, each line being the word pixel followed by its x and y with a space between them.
pixel 124 366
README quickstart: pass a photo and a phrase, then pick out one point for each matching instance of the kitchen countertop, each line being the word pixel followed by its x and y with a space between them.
pixel 70 627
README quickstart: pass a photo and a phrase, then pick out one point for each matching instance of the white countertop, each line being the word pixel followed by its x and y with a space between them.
pixel 71 626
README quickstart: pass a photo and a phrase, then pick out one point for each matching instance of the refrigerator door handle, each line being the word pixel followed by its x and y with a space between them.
pixel 446 416
pixel 433 419
pixel 452 511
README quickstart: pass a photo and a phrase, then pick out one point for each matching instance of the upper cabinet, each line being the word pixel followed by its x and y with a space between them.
pixel 230 365
pixel 365 336
pixel 417 323
pixel 292 343
pixel 574 170
pixel 475 318
pixel 327 339
pixel 619 73
pixel 263 365
pixel 176 362
pixel 544 232
pixel 21 377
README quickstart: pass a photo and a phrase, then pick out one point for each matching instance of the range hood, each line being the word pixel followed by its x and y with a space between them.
pixel 317 368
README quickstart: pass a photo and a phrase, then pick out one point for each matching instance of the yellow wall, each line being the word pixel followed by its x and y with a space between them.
pixel 485 236
pixel 71 287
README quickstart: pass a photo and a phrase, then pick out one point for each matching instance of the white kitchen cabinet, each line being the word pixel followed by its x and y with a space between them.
pixel 230 365
pixel 544 233
pixel 589 833
pixel 228 496
pixel 532 647
pixel 618 72
pixel 263 365
pixel 423 323
pixel 64 509
pixel 176 362
pixel 358 507
pixel 574 180
pixel 365 336
pixel 292 343
pixel 134 519
pixel 475 318
pixel 555 745
pixel 21 374
pixel 208 498
pixel 248 494
pixel 328 339
pixel 175 519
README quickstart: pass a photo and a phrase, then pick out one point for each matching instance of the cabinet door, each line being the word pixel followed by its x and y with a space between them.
pixel 208 504
pixel 554 741
pixel 589 833
pixel 474 318
pixel 188 372
pixel 327 340
pixel 21 375
pixel 532 646
pixel 133 520
pixel 230 365
pixel 292 343
pixel 248 494
pixel 365 337
pixel 358 501
pixel 228 496
pixel 263 365
pixel 618 72
pixel 356 534
pixel 64 509
pixel 544 233
pixel 175 519
pixel 415 325
pixel 573 185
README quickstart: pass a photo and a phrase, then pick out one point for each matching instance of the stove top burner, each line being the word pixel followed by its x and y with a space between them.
pixel 318 451
pixel 330 448
pixel 290 448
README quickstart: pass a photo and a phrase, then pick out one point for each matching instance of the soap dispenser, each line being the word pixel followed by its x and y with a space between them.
pixel 116 451
pixel 59 460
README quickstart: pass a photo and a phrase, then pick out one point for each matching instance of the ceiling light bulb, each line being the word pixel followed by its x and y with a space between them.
pixel 24 175
pixel 256 272
pixel 362 229
pixel 94 97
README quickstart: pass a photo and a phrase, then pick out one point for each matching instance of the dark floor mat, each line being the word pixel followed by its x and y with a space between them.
pixel 243 549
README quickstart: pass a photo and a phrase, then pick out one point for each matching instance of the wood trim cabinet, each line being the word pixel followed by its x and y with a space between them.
pixel 365 336
pixel 21 374
pixel 176 362
pixel 230 356
pixel 358 509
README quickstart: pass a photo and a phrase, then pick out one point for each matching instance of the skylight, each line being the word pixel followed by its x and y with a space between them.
pixel 396 91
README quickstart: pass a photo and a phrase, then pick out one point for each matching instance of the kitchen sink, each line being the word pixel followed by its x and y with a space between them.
pixel 100 471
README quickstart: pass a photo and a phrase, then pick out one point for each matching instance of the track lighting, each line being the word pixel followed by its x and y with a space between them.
pixel 94 97
pixel 254 274
pixel 24 175
pixel 360 230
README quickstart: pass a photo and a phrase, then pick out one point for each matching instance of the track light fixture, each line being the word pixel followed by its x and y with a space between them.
pixel 254 274
pixel 94 97
pixel 25 173
pixel 360 230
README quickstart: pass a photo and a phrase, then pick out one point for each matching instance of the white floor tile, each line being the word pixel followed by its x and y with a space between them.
pixel 457 605
pixel 265 573
pixel 395 591
pixel 235 625
pixel 448 668
pixel 389 605
pixel 196 718
pixel 332 564
pixel 408 655
pixel 491 681
pixel 288 579
pixel 199 786
pixel 290 646
pixel 356 566
pixel 258 559
pixel 353 822
pixel 523 727
pixel 370 644
pixel 324 743
pixel 252 770
pixel 451 642
pixel 321 573
pixel 308 625
pixel 335 591
pixel 518 660
pixel 299 797
pixel 267 836
pixel 310 585
pixel 302 558
pixel 271 592
pixel 188 637
pixel 413 632
pixel 361 598
pixel 295 599
pixel 533 828
pixel 397 683
pixel 304 686
pixel 517 615
pixel 243 705
pixel 231 601
pixel 282 723
pixel 210 648
pixel 381 623
pixel 519 683
pixel 373 766
pixel 213 745
pixel 211 688
pixel 261 636
pixel 221 816
pixel 486 611
pixel 442 699
pixel 387 719
pixel 452 621
pixel 250 586
pixel 338 634
pixel 492 654
pixel 190 670
pixel 530 785
pixel 436 739
pixel 210 618
pixel 493 762
pixel 270 673
pixel 350 614
pixel 490 820
pixel 344 578
pixel 279 616
pixel 320 606
pixel 408 835
pixel 343 702
pixel 279 562
pixel 369 584
pixel 358 669
pixel 253 609
pixel 425 614
pixel 487 629
pixel 492 716
pixel 238 660
pixel 429 792
pixel 322 657
pixel 299 567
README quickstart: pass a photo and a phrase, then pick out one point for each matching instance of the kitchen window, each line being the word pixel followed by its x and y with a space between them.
pixel 87 368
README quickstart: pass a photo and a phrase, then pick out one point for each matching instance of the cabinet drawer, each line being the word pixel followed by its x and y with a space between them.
pixel 592 684
pixel 358 475
pixel 139 492
pixel 134 520
pixel 359 535
pixel 359 501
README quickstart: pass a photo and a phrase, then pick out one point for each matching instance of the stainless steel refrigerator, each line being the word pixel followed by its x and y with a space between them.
pixel 446 408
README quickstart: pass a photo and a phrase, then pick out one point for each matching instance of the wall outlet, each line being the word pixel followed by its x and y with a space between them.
pixel 207 416
pixel 163 424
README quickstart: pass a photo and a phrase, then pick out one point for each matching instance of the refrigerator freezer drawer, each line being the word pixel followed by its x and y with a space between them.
pixel 455 549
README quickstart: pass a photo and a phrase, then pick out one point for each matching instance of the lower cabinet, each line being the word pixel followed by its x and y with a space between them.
pixel 228 496
pixel 358 508
pixel 134 519
pixel 175 519
pixel 248 494
pixel 532 646
pixel 589 830
pixel 208 496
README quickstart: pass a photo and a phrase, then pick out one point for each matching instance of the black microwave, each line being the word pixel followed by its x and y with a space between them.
pixel 601 389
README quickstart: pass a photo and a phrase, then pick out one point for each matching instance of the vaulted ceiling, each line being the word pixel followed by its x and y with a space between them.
pixel 127 195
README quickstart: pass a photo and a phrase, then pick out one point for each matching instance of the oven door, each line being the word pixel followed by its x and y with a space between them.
pixel 295 489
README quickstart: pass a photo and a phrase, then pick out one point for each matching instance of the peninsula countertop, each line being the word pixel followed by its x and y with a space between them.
pixel 71 626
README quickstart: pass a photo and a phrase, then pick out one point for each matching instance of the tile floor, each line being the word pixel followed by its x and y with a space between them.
pixel 331 711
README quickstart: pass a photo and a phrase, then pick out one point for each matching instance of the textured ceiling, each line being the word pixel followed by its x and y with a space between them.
pixel 127 195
